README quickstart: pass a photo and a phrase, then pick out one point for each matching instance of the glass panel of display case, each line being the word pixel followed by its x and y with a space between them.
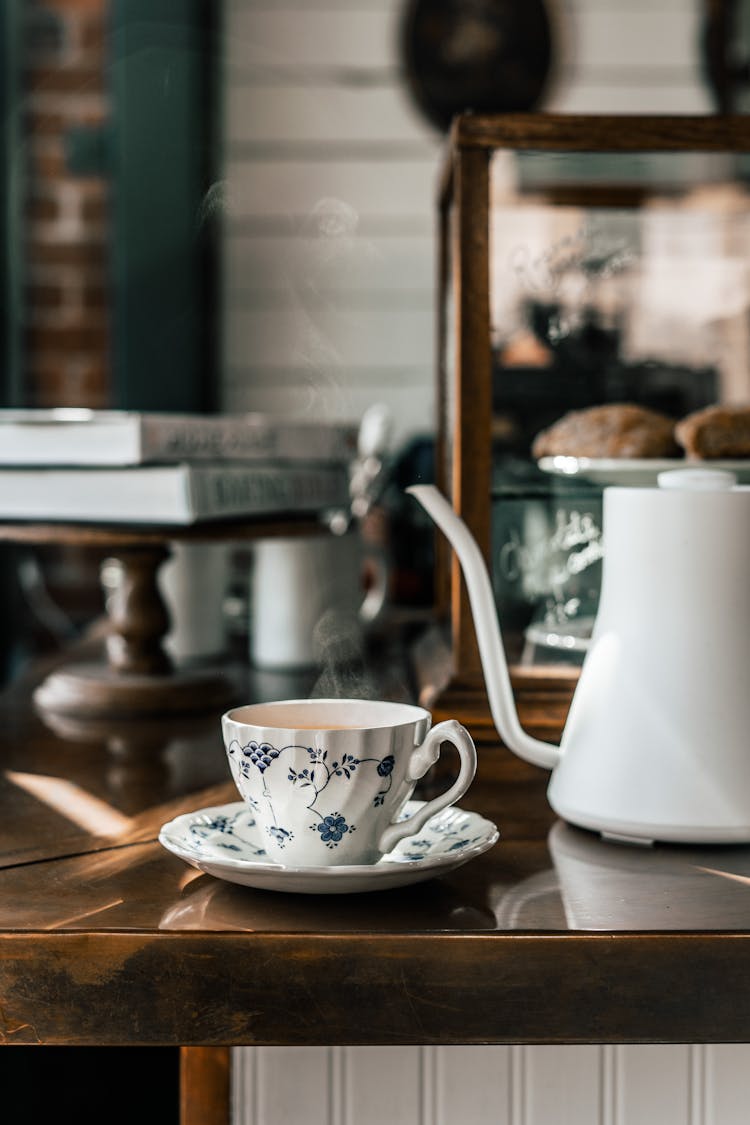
pixel 615 279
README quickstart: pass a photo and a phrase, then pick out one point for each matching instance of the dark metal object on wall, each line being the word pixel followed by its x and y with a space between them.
pixel 490 56
pixel 725 53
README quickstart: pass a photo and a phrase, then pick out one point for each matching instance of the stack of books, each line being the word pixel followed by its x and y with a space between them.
pixel 142 468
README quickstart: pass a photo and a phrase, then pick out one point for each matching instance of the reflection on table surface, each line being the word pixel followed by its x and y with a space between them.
pixel 577 882
pixel 572 881
pixel 597 884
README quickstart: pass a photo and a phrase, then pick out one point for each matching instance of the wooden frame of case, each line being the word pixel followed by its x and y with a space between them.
pixel 464 398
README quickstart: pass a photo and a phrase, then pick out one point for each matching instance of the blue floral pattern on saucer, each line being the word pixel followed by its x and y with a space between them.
pixel 225 841
pixel 225 831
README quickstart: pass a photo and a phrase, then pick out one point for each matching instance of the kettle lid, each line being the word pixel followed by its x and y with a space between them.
pixel 697 480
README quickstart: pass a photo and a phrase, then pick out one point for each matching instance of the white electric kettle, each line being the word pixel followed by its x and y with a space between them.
pixel 657 741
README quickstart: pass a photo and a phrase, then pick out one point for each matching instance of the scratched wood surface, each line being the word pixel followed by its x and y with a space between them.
pixel 296 989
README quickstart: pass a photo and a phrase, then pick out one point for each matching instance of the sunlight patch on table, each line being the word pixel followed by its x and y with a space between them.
pixel 74 803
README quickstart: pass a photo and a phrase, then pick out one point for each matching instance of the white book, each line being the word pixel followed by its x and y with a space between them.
pixel 170 494
pixel 69 436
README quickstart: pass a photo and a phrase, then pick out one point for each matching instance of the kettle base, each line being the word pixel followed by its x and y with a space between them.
pixel 623 831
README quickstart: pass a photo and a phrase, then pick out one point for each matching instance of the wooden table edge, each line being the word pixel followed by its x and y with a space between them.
pixel 222 988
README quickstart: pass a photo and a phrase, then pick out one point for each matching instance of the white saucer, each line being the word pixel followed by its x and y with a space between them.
pixel 633 471
pixel 223 841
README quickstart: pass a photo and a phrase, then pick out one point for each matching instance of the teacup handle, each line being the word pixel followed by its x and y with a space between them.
pixel 422 758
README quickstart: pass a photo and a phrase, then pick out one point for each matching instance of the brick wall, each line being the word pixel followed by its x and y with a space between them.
pixel 66 317
pixel 66 329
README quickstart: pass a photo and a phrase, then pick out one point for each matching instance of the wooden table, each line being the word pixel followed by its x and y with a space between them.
pixel 551 937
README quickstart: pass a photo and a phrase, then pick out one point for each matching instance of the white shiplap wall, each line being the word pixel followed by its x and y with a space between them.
pixel 329 250
pixel 330 178
pixel 329 305
pixel 676 1084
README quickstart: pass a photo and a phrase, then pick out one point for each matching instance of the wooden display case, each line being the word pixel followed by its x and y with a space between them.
pixel 673 190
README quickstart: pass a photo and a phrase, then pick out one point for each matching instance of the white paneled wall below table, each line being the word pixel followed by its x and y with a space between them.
pixel 675 1084
pixel 328 305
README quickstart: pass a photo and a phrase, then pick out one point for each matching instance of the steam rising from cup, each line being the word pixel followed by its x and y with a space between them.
pixel 338 643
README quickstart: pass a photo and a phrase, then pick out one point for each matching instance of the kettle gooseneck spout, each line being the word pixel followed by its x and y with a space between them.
pixel 489 638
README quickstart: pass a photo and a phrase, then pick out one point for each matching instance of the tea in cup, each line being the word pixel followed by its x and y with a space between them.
pixel 327 779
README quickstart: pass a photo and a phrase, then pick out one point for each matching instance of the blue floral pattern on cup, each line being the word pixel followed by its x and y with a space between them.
pixel 315 776
pixel 332 829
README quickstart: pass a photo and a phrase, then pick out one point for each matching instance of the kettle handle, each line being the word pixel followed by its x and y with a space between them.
pixel 489 637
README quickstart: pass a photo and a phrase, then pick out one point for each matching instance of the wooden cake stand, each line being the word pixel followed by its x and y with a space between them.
pixel 139 678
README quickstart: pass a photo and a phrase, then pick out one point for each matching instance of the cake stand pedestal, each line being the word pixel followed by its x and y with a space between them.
pixel 139 678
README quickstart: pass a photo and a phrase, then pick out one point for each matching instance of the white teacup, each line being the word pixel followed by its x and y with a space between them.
pixel 327 778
